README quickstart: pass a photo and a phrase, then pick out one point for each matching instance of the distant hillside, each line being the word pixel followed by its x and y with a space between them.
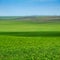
pixel 32 18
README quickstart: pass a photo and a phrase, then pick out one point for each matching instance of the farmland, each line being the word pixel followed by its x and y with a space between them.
pixel 29 40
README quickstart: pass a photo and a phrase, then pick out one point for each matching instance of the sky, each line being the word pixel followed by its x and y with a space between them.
pixel 29 7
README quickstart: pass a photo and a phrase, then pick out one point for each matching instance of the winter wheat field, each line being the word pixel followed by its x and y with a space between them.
pixel 29 40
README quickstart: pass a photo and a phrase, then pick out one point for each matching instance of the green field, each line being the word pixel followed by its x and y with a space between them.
pixel 24 26
pixel 22 40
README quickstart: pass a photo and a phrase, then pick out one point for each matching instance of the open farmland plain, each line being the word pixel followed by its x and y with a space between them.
pixel 26 40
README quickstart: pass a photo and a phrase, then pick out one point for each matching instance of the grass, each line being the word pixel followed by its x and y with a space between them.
pixel 29 48
pixel 33 34
pixel 23 26
pixel 29 40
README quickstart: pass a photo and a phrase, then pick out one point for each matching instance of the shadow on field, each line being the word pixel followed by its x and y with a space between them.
pixel 32 34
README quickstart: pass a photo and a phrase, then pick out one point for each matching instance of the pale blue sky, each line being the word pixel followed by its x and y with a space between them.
pixel 29 7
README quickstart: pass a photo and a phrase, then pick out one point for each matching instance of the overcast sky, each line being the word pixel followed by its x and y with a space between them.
pixel 29 7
